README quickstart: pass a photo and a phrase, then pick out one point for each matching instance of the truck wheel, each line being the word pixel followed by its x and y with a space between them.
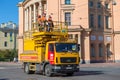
pixel 69 74
pixel 48 70
pixel 26 68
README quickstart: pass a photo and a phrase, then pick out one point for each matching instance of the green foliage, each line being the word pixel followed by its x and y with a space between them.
pixel 8 55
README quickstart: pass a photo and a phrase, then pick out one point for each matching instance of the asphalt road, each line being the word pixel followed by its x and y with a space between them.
pixel 101 71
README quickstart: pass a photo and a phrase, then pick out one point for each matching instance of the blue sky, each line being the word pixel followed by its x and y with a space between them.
pixel 9 11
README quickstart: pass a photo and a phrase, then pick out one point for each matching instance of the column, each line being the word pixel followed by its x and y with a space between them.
pixel 34 13
pixel 30 20
pixel 21 28
pixel 40 8
pixel 73 36
pixel 79 42
pixel 87 48
pixel 25 20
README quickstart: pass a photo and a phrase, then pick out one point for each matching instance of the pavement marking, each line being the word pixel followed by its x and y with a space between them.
pixel 2 68
pixel 9 67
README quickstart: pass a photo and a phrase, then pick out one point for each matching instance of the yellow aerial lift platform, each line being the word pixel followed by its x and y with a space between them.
pixel 49 52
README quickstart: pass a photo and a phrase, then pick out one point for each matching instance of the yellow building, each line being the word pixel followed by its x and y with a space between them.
pixel 93 23
pixel 8 36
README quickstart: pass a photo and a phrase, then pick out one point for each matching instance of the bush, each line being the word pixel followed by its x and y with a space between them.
pixel 8 55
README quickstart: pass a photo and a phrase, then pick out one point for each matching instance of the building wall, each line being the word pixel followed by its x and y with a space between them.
pixel 116 36
pixel 117 47
pixel 10 39
pixel 102 37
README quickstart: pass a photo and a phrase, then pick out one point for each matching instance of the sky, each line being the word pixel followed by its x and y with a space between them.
pixel 9 11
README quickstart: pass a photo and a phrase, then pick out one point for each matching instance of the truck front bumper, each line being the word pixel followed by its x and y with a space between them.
pixel 65 68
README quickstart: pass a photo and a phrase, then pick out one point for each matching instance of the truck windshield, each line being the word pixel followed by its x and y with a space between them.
pixel 66 47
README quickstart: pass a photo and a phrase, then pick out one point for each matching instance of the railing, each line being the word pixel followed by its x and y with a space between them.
pixel 60 27
pixel 27 35
pixel 56 27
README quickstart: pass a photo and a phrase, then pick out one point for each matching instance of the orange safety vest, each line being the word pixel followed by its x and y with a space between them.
pixel 43 18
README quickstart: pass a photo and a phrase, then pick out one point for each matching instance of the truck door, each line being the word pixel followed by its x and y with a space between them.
pixel 51 53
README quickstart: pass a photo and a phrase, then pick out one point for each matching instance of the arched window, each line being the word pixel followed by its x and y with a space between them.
pixel 92 50
pixel 100 50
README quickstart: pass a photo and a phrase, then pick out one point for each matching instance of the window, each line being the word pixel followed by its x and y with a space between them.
pixel 11 39
pixel 67 1
pixel 100 50
pixel 98 5
pixel 92 50
pixel 108 51
pixel 5 43
pixel 91 4
pixel 99 21
pixel 107 21
pixel 51 47
pixel 92 37
pixel 66 47
pixel 106 6
pixel 5 34
pixel 68 18
pixel 108 38
pixel 91 20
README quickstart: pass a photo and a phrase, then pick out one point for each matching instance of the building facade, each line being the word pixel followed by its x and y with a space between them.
pixel 93 23
pixel 8 36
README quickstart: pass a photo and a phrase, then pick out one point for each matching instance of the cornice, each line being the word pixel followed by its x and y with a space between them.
pixel 20 4
pixel 25 1
pixel 117 32
pixel 75 30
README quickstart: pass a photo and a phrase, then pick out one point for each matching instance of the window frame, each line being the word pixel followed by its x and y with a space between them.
pixel 5 34
pixel 99 21
pixel 91 4
pixel 67 2
pixel 91 20
pixel 5 44
pixel 100 50
pixel 106 6
pixel 107 22
pixel 68 18
pixel 51 47
pixel 99 5
pixel 92 50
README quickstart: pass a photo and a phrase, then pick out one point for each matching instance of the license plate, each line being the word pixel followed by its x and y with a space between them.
pixel 68 67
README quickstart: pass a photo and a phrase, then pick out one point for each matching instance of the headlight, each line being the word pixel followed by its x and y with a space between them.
pixel 57 67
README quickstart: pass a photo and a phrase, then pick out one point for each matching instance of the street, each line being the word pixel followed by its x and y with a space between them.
pixel 98 71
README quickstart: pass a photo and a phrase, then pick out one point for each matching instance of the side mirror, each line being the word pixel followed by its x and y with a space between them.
pixel 78 47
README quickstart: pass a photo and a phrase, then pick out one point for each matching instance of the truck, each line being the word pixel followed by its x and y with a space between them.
pixel 49 52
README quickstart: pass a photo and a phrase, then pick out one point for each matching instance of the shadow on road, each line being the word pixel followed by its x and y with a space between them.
pixel 84 73
pixel 81 73
pixel 4 79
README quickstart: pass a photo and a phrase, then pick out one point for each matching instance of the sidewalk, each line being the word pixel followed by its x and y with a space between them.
pixel 101 65
pixel 81 65
pixel 10 63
